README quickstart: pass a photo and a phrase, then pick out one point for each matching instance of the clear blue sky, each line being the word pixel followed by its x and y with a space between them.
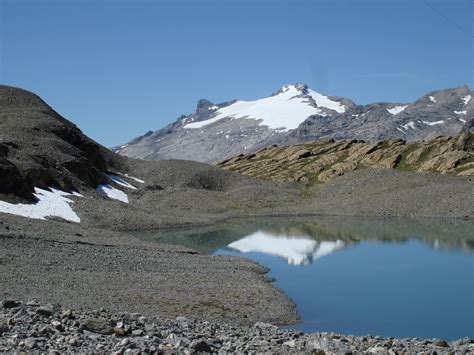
pixel 119 68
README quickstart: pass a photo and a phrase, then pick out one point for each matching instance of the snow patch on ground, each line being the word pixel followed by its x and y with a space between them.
pixel 50 204
pixel 464 112
pixel 433 123
pixel 432 99
pixel 396 110
pixel 285 110
pixel 463 121
pixel 120 181
pixel 111 192
pixel 401 130
pixel 134 178
pixel 410 124
pixel 466 99
pixel 298 250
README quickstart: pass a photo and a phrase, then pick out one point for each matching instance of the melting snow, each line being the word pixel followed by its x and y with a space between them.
pixel 296 250
pixel 111 192
pixel 120 181
pixel 396 110
pixel 134 178
pixel 460 112
pixel 463 121
pixel 432 99
pixel 466 99
pixel 433 123
pixel 50 204
pixel 285 110
pixel 410 124
pixel 401 130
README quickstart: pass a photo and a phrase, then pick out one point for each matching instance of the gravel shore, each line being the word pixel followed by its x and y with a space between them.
pixel 93 268
pixel 35 327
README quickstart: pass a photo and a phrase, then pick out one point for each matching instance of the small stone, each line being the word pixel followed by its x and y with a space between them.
pixel 57 325
pixel 3 328
pixel 30 343
pixel 138 332
pixel 32 303
pixel 67 313
pixel 100 326
pixel 377 349
pixel 44 311
pixel 119 331
pixel 124 342
pixel 441 343
pixel 10 304
pixel 200 346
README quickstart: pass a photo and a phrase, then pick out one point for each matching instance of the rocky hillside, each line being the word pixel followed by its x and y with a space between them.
pixel 39 148
pixel 296 114
pixel 321 161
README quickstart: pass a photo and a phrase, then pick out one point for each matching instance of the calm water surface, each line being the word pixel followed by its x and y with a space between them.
pixel 401 278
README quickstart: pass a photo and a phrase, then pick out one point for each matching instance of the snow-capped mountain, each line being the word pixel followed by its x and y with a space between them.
pixel 296 250
pixel 296 114
pixel 284 110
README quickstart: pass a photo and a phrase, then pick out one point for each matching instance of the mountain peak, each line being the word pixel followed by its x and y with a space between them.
pixel 302 89
pixel 203 105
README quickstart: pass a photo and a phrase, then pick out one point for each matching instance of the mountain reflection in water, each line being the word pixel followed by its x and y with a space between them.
pixel 297 250
pixel 312 236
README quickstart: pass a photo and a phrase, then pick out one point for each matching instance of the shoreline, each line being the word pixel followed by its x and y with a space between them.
pixel 283 215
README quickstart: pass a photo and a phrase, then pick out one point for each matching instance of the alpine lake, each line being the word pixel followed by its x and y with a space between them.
pixel 388 277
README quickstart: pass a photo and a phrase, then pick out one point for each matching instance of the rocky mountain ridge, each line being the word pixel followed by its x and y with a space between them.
pixel 323 160
pixel 296 114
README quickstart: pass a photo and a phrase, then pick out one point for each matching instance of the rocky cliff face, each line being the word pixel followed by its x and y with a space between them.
pixel 296 114
pixel 323 160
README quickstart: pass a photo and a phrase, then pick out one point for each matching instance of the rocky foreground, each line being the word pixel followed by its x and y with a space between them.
pixel 35 327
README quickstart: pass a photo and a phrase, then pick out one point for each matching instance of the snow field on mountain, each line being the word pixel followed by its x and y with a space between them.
pixel 285 111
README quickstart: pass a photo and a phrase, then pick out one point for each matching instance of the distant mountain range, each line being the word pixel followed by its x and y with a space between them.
pixel 297 114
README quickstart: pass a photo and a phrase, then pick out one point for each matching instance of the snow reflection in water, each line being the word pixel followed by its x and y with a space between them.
pixel 297 250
